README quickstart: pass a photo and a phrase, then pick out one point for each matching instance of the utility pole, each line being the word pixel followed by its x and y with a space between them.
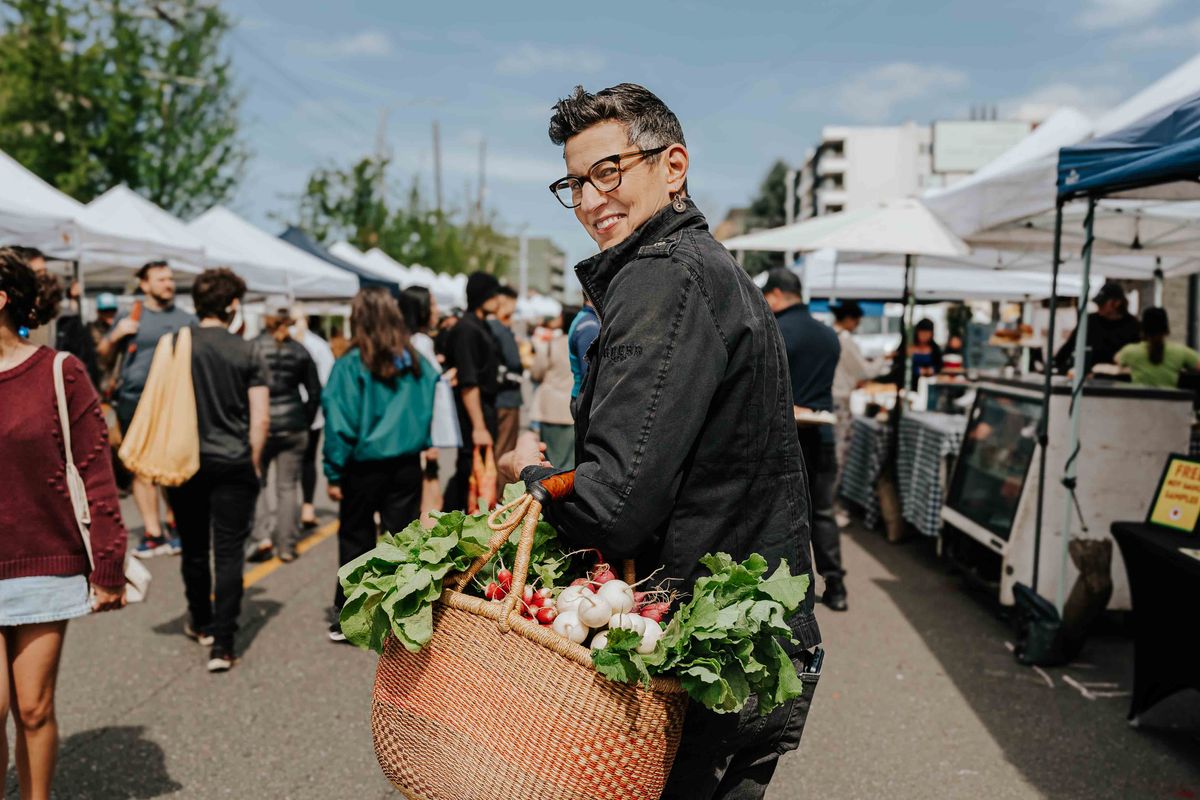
pixel 789 211
pixel 383 153
pixel 482 180
pixel 437 166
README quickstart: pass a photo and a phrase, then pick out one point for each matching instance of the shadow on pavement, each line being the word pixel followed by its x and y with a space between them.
pixel 1064 744
pixel 111 763
pixel 256 612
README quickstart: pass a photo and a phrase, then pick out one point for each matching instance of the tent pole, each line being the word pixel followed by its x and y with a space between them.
pixel 1158 281
pixel 909 308
pixel 1044 422
pixel 1071 470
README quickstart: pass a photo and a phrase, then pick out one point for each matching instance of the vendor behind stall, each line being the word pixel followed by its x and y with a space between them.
pixel 1154 361
pixel 1110 328
pixel 926 356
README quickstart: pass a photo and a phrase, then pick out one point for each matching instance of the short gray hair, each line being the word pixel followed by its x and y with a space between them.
pixel 647 119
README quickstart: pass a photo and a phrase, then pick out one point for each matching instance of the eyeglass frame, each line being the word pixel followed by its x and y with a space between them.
pixel 615 158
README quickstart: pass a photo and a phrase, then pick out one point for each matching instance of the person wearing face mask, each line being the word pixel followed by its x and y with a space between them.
pixel 685 436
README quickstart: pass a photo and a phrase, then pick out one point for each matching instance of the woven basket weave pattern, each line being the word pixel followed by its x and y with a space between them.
pixel 483 714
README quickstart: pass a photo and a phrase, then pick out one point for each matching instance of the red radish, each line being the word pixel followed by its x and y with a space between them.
pixel 653 614
pixel 662 608
pixel 527 595
pixel 603 574
pixel 546 615
pixel 504 578
pixel 544 596
pixel 490 591
pixel 639 598
pixel 581 582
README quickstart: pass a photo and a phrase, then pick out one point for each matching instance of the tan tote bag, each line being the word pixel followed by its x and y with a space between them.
pixel 137 577
pixel 162 444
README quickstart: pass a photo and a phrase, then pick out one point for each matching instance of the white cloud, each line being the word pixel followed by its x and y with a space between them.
pixel 872 95
pixel 364 44
pixel 1183 34
pixel 1040 103
pixel 529 59
pixel 1098 14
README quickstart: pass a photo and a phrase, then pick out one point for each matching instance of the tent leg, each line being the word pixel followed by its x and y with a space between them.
pixel 909 309
pixel 1159 279
pixel 1044 422
pixel 1071 470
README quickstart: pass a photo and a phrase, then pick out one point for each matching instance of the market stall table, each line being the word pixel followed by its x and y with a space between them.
pixel 1165 585
pixel 865 458
pixel 927 443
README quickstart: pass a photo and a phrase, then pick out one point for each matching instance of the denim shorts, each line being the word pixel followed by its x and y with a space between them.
pixel 43 598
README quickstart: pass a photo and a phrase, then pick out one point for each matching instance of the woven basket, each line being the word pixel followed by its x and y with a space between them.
pixel 497 707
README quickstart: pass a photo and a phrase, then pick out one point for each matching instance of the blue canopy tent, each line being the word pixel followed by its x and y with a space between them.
pixel 297 237
pixel 1155 158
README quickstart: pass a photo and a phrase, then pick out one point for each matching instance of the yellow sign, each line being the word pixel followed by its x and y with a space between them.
pixel 1177 503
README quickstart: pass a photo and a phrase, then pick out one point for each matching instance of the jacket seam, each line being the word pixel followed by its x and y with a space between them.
pixel 696 278
pixel 651 412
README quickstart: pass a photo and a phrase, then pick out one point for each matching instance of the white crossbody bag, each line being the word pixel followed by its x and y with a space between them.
pixel 137 577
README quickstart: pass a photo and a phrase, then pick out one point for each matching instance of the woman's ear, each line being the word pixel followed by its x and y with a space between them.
pixel 676 160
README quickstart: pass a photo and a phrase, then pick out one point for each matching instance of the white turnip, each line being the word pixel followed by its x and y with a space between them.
pixel 593 611
pixel 567 624
pixel 618 594
pixel 630 622
pixel 600 640
pixel 650 637
pixel 568 599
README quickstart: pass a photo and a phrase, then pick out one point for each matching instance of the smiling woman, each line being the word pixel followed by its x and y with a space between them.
pixel 685 441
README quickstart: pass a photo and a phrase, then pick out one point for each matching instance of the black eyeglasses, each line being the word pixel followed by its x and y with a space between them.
pixel 604 175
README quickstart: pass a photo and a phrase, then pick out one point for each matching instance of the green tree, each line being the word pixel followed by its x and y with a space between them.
pixel 99 92
pixel 352 204
pixel 767 210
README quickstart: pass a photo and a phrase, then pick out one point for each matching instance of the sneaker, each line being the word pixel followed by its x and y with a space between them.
pixel 199 637
pixel 220 660
pixel 152 546
pixel 173 547
pixel 335 633
pixel 263 551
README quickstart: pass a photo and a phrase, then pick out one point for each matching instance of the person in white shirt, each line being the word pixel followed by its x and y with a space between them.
pixel 323 357
pixel 852 371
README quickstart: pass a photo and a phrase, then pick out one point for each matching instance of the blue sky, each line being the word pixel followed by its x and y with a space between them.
pixel 750 81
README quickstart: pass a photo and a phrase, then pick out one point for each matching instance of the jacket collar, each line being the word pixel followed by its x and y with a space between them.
pixel 596 273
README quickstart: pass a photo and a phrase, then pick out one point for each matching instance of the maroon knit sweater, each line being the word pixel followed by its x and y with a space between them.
pixel 38 532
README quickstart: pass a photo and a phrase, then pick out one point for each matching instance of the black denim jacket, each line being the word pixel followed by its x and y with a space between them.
pixel 685 438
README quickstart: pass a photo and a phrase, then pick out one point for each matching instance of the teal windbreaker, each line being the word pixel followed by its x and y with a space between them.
pixel 368 420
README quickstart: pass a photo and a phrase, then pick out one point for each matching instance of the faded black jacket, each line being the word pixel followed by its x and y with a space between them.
pixel 290 367
pixel 685 439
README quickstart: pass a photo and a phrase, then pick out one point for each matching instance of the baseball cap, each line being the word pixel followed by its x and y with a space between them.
pixel 106 301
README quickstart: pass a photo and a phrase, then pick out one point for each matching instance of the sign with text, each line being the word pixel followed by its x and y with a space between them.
pixel 1177 501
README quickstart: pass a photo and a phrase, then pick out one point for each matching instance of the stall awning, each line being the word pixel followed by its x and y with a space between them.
pixel 1157 157
pixel 299 238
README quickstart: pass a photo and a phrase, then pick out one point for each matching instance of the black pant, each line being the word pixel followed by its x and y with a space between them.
pixel 458 487
pixel 733 756
pixel 308 467
pixel 214 512
pixel 390 487
pixel 820 467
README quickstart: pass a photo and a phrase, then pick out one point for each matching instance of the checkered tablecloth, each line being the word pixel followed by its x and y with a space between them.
pixel 928 441
pixel 864 460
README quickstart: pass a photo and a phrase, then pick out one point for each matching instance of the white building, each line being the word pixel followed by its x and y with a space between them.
pixel 855 166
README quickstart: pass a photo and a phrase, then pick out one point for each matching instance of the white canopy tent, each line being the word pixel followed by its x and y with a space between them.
pixel 281 267
pixel 385 270
pixel 124 211
pixel 864 281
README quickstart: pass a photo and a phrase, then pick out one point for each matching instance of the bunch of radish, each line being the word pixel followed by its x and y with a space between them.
pixel 536 604
pixel 592 606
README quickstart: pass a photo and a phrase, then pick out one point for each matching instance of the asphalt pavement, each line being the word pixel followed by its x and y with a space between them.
pixel 921 698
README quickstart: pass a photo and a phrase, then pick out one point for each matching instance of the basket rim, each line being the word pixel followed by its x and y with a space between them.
pixel 546 638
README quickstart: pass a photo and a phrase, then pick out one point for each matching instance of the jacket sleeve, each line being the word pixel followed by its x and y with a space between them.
pixel 90 450
pixel 312 387
pixel 661 361
pixel 342 402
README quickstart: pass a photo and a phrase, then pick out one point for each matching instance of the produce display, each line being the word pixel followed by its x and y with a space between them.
pixel 722 643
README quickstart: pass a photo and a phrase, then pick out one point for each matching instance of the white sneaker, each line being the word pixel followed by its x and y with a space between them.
pixel 220 661
pixel 202 639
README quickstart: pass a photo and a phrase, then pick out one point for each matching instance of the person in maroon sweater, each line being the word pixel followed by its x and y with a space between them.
pixel 44 571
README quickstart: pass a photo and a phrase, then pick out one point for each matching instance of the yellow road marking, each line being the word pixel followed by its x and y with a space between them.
pixel 264 569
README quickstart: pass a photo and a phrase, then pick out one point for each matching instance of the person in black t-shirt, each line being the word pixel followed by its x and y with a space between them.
pixel 471 349
pixel 214 509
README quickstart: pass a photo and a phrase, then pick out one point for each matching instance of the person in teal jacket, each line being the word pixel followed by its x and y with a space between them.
pixel 378 407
